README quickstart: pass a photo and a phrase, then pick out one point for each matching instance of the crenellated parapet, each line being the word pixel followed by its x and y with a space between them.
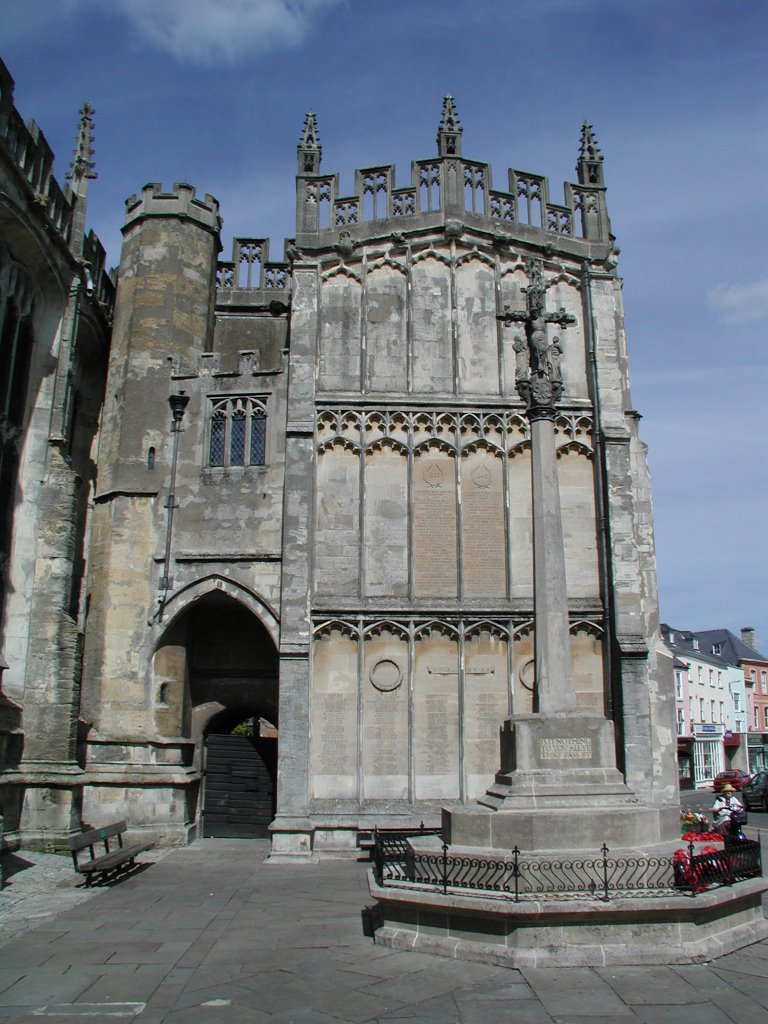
pixel 181 202
pixel 449 186
pixel 25 146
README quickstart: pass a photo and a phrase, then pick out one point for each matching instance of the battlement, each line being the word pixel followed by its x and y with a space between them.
pixel 449 186
pixel 28 148
pixel 229 370
pixel 180 202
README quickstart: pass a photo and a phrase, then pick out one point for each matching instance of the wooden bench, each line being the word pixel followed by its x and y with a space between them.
pixel 366 838
pixel 114 858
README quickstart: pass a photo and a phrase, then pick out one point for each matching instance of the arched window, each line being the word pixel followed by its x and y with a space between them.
pixel 237 432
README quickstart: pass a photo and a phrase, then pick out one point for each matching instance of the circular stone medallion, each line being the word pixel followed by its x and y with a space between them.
pixel 385 675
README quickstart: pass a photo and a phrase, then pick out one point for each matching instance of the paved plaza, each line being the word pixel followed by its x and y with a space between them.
pixel 211 934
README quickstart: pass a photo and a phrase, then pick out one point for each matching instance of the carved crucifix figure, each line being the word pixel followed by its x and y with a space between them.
pixel 538 375
pixel 538 379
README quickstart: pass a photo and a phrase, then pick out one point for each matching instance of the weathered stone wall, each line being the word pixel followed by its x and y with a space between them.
pixel 422 514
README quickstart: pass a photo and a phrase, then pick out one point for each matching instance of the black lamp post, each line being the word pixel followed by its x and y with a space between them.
pixel 178 404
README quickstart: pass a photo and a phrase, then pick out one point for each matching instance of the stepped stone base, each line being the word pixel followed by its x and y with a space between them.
pixel 575 827
pixel 572 932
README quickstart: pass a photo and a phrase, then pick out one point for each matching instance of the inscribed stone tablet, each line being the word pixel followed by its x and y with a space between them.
pixel 334 717
pixel 434 498
pixel 385 718
pixel 436 713
pixel 566 748
pixel 484 547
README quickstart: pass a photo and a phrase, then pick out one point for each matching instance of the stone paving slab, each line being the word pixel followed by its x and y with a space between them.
pixel 210 934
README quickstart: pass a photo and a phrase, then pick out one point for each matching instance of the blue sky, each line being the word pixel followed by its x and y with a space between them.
pixel 214 92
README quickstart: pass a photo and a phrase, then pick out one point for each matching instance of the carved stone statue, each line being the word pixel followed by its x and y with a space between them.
pixel 554 353
pixel 520 346
pixel 539 345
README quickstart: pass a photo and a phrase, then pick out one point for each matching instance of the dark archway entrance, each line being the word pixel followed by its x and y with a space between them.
pixel 230 665
pixel 240 778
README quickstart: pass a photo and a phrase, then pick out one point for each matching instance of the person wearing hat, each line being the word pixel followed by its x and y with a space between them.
pixel 728 811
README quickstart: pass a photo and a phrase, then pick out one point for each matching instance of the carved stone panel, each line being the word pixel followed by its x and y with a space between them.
pixel 337 531
pixel 436 717
pixel 484 550
pixel 486 706
pixel 565 295
pixel 434 533
pixel 387 348
pixel 386 523
pixel 521 535
pixel 333 717
pixel 577 500
pixel 587 655
pixel 385 718
pixel 340 339
pixel 477 331
pixel 431 327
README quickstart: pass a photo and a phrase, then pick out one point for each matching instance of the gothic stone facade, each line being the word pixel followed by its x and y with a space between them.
pixel 55 307
pixel 337 538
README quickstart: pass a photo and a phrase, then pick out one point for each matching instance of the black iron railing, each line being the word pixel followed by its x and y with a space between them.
pixel 602 877
pixel 391 849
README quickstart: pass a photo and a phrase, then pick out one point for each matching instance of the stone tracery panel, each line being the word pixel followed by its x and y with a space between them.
pixel 420 710
pixel 432 332
pixel 435 557
pixel 436 713
pixel 340 335
pixel 486 704
pixel 386 740
pixel 564 293
pixel 476 325
pixel 386 519
pixel 575 468
pixel 386 328
pixel 337 525
pixel 432 528
pixel 333 714
pixel 484 544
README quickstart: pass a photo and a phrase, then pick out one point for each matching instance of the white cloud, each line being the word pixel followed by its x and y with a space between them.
pixel 740 303
pixel 207 31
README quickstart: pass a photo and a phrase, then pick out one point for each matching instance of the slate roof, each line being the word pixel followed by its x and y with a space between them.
pixel 733 649
pixel 682 647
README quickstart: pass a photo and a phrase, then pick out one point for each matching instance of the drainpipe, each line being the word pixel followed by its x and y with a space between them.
pixel 601 501
pixel 178 404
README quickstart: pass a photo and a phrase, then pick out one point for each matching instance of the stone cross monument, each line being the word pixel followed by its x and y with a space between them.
pixel 557 758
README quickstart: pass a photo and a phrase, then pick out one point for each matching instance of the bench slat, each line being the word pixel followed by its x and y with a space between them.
pixel 111 860
pixel 97 835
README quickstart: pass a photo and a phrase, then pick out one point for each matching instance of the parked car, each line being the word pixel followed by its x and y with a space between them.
pixel 735 776
pixel 755 793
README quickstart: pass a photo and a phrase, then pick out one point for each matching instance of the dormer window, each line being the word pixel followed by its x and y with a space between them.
pixel 695 643
pixel 717 648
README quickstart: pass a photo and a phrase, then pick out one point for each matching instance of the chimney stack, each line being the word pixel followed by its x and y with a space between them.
pixel 748 635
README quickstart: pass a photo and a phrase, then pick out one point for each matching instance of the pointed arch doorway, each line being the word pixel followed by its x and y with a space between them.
pixel 220 656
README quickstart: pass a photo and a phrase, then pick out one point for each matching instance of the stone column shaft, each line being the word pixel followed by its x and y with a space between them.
pixel 554 677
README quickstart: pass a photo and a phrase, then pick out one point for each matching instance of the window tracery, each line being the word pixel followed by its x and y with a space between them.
pixel 237 432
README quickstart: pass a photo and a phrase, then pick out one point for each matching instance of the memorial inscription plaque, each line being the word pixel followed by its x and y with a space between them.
pixel 484 548
pixel 385 720
pixel 435 560
pixel 436 711
pixel 565 748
